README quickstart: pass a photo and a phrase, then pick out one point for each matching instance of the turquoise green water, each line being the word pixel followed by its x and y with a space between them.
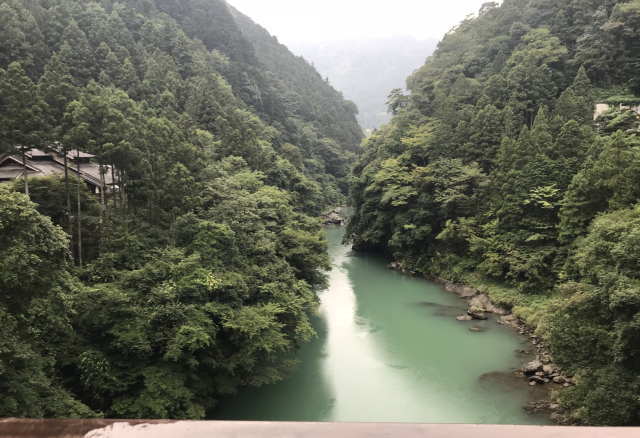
pixel 390 350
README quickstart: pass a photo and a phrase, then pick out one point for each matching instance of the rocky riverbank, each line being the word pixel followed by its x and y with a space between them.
pixel 540 371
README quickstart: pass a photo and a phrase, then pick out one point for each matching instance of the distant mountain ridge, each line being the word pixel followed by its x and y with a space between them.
pixel 367 70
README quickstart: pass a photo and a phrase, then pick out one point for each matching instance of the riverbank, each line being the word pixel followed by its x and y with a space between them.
pixel 520 312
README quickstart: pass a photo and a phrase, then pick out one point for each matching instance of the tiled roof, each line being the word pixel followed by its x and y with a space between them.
pixel 10 173
pixel 90 172
pixel 33 153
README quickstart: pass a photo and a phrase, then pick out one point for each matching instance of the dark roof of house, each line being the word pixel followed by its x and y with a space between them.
pixel 33 153
pixel 10 173
pixel 11 166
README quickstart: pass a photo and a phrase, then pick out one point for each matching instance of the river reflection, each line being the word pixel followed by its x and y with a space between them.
pixel 390 349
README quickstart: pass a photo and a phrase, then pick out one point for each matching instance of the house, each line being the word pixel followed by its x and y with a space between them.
pixel 602 108
pixel 41 163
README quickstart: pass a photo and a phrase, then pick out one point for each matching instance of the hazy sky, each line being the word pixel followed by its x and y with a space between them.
pixel 300 21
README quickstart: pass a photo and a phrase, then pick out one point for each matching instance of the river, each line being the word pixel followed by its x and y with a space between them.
pixel 390 350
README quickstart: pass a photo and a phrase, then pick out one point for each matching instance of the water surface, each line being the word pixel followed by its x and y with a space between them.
pixel 390 350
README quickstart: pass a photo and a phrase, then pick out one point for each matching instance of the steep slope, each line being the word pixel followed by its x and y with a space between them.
pixel 283 89
pixel 195 275
pixel 321 122
pixel 493 172
pixel 303 87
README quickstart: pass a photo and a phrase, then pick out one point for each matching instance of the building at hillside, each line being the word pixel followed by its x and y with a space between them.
pixel 40 163
pixel 602 108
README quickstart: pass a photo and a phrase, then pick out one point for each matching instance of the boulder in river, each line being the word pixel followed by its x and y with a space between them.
pixel 509 321
pixel 539 380
pixel 482 301
pixel 477 313
pixel 464 318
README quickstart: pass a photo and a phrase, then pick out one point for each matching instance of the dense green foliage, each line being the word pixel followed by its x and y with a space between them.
pixel 196 276
pixel 493 169
pixel 36 331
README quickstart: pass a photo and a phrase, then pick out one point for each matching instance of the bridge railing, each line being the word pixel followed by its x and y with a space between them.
pixel 20 428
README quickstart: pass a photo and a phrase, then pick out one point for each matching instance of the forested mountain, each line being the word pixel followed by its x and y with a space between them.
pixel 367 70
pixel 493 172
pixel 197 275
pixel 302 85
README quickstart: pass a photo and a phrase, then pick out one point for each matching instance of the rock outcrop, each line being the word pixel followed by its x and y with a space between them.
pixel 482 301
pixel 477 313
pixel 333 217
pixel 479 303
pixel 532 367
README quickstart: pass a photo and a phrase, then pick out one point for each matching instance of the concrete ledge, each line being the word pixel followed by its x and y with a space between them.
pixel 18 428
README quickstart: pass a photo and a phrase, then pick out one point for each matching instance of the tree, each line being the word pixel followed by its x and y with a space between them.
pixel 396 101
pixel 22 115
pixel 34 260
pixel 22 38
pixel 56 89
pixel 607 181
pixel 77 54
pixel 605 310
pixel 33 250
pixel 14 46
pixel 577 102
pixel 50 194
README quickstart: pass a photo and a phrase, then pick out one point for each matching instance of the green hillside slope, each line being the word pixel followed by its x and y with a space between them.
pixel 196 275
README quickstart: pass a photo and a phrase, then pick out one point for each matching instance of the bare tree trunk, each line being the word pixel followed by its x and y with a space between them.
pixel 120 188
pixel 122 193
pixel 124 179
pixel 102 197
pixel 67 191
pixel 113 186
pixel 103 206
pixel 25 177
pixel 79 215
